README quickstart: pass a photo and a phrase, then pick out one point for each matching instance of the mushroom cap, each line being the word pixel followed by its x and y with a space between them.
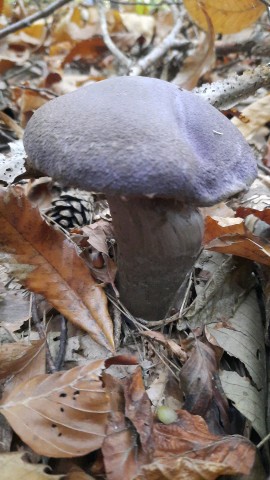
pixel 134 136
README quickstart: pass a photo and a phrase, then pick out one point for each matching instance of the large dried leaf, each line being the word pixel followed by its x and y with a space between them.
pixel 183 469
pixel 121 450
pixel 12 466
pixel 190 437
pixel 228 16
pixel 229 235
pixel 229 309
pixel 46 262
pixel 199 378
pixel 138 410
pixel 60 415
pixel 248 399
pixel 12 163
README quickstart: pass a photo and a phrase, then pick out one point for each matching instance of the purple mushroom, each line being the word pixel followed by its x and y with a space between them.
pixel 158 153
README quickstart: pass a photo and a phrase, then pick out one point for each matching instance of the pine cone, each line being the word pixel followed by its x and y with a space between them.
pixel 73 208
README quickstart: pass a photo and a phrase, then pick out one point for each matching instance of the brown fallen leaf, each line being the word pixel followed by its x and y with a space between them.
pixel 203 395
pixel 90 49
pixel 231 236
pixel 12 466
pixel 228 16
pixel 17 357
pixel 138 410
pixel 121 450
pixel 190 438
pixel 183 469
pixel 97 235
pixel 60 415
pixel 29 101
pixel 264 214
pixel 45 261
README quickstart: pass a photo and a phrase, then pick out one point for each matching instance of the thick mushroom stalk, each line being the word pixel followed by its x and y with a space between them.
pixel 158 241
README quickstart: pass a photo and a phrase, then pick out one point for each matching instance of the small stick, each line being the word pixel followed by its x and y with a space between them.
pixel 168 42
pixel 120 56
pixel 36 321
pixel 26 22
pixel 63 345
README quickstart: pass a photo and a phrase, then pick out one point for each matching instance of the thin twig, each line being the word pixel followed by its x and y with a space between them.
pixel 25 22
pixel 117 322
pixel 40 329
pixel 122 59
pixel 158 52
pixel 63 345
pixel 38 90
pixel 227 93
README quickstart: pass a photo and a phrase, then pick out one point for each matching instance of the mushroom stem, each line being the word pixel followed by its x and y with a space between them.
pixel 158 241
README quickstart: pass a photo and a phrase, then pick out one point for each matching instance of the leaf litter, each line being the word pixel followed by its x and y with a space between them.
pixel 208 361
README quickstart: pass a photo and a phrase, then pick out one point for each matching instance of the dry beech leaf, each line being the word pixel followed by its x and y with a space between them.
pixel 203 396
pixel 12 466
pixel 227 16
pixel 264 214
pixel 16 357
pixel 45 261
pixel 183 469
pixel 138 410
pixel 60 415
pixel 90 49
pixel 199 63
pixel 190 437
pixel 230 236
pixel 30 101
pixel 121 451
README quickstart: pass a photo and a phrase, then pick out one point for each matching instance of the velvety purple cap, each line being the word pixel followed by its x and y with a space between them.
pixel 140 136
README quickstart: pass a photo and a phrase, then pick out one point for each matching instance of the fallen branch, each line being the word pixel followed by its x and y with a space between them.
pixel 25 22
pixel 144 63
pixel 120 56
pixel 227 93
pixel 168 42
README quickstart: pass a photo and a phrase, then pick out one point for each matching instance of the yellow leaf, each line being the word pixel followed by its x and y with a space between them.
pixel 227 16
